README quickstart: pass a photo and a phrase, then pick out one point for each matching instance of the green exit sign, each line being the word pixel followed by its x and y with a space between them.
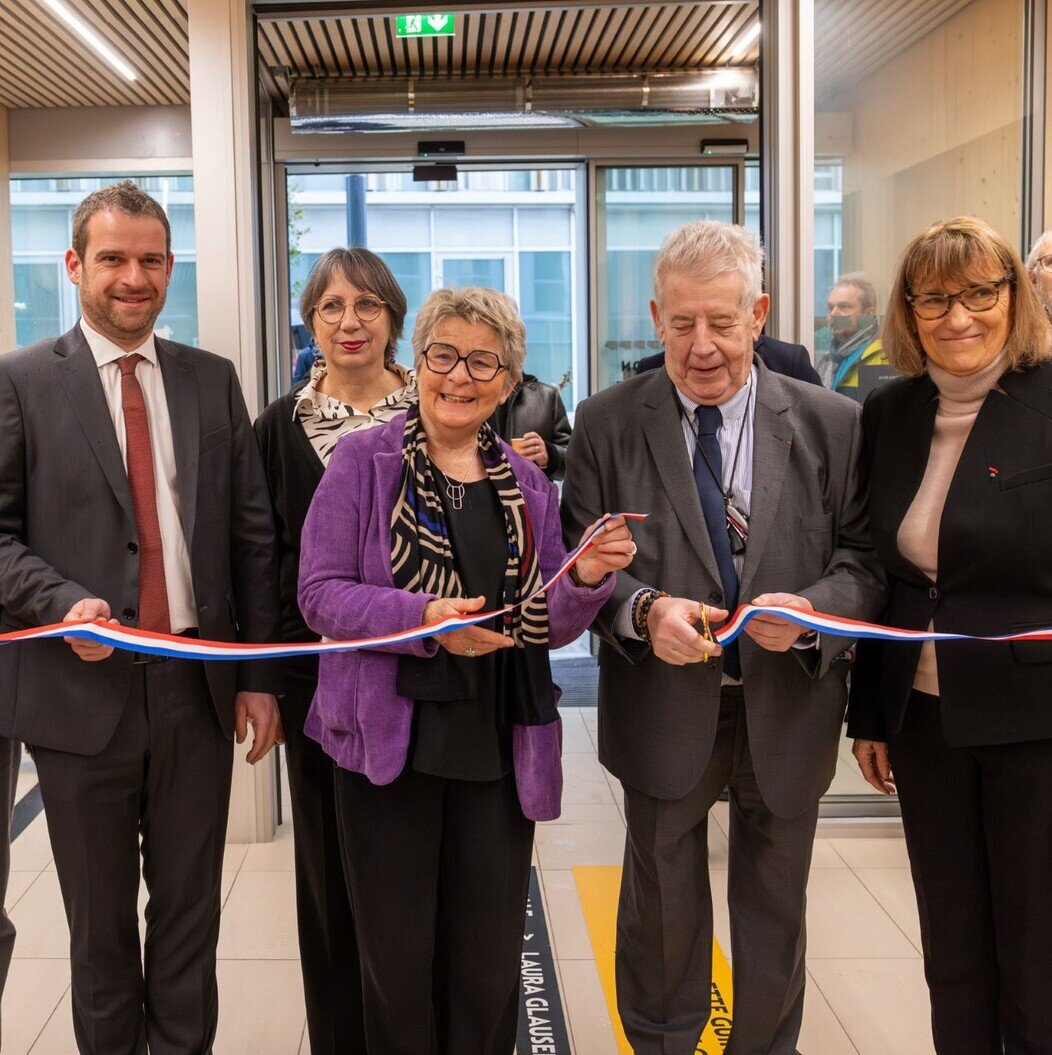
pixel 425 25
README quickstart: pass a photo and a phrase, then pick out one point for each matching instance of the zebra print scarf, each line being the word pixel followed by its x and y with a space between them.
pixel 422 561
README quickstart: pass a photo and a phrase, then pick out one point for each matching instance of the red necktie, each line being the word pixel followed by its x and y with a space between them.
pixel 153 592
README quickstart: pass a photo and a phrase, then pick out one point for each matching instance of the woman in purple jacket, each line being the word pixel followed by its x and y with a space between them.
pixel 447 748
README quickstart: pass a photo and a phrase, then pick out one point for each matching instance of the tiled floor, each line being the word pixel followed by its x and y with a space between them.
pixel 866 991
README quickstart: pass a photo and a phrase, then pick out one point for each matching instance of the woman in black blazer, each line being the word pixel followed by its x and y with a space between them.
pixel 959 457
pixel 355 310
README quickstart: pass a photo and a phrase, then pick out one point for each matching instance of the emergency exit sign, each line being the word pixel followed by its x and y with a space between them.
pixel 425 25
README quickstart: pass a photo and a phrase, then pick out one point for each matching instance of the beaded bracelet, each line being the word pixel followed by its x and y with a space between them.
pixel 641 611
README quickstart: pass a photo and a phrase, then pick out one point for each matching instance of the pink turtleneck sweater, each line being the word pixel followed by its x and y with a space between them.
pixel 959 401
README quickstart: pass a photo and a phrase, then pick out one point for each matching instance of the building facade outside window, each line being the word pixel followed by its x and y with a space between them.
pixel 512 230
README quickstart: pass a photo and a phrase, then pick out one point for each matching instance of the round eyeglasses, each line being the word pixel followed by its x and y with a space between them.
pixel 935 305
pixel 366 308
pixel 481 365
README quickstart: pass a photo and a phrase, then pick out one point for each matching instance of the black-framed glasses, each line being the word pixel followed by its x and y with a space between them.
pixel 481 365
pixel 977 298
pixel 366 307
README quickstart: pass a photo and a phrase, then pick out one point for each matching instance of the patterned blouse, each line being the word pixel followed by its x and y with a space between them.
pixel 325 419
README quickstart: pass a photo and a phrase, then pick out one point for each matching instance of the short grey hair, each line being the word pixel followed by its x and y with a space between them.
pixel 707 248
pixel 474 304
pixel 1040 249
pixel 866 290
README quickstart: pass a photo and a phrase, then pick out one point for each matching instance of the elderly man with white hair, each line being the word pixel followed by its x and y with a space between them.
pixel 1039 268
pixel 751 483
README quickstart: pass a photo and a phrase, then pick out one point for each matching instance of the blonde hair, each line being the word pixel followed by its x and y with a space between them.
pixel 956 253
pixel 707 248
pixel 474 304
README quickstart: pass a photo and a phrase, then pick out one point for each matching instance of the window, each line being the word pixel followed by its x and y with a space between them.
pixel 512 230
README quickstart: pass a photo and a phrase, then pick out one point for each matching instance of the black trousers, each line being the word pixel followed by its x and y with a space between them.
pixel 978 826
pixel 663 957
pixel 332 977
pixel 164 778
pixel 439 873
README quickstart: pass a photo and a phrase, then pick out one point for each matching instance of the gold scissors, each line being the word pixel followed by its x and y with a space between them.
pixel 706 632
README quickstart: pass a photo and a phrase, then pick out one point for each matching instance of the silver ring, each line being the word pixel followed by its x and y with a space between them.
pixel 469 652
pixel 634 550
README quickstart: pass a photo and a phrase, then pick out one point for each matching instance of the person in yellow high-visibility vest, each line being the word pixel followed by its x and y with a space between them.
pixel 855 347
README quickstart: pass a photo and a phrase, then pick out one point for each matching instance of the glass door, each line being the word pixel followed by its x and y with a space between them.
pixel 636 207
pixel 518 229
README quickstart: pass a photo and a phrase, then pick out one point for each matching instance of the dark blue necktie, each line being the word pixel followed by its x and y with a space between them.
pixel 708 421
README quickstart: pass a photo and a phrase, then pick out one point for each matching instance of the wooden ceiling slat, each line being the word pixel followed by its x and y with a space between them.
pixel 568 35
pixel 17 74
pixel 508 31
pixel 707 22
pixel 368 70
pixel 606 38
pixel 726 53
pixel 173 39
pixel 347 57
pixel 523 50
pixel 104 20
pixel 87 78
pixel 622 60
pixel 167 72
pixel 673 33
pixel 541 59
pixel 582 31
pixel 323 57
pixel 648 50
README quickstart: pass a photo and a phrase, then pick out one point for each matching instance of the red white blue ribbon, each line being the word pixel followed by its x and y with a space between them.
pixel 856 628
pixel 145 641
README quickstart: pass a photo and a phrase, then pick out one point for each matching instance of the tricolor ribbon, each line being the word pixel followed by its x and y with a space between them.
pixel 145 641
pixel 857 628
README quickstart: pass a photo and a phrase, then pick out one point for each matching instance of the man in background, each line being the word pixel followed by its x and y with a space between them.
pixel 855 362
pixel 1039 268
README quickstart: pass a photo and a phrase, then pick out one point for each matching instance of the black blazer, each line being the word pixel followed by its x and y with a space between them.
pixel 995 563
pixel 791 360
pixel 534 406
pixel 67 531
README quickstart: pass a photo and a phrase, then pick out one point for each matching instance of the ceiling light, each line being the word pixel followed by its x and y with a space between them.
pixel 743 44
pixel 91 38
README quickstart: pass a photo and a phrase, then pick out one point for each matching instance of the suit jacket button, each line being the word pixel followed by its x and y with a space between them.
pixel 129 613
pixel 715 596
pixel 133 547
pixel 933 593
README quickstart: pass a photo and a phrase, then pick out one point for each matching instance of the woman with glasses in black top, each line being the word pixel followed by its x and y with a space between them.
pixel 355 311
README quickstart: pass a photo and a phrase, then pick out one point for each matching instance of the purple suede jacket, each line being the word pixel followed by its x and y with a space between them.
pixel 346 590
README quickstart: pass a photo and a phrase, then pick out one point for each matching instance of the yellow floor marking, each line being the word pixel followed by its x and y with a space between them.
pixel 597 888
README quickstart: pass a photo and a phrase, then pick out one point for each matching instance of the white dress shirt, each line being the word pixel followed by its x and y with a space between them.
pixel 181 606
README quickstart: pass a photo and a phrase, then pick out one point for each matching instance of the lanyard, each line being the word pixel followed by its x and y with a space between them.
pixel 737 521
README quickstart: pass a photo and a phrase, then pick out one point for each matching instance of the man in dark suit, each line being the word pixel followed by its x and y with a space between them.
pixel 751 483
pixel 131 490
pixel 782 357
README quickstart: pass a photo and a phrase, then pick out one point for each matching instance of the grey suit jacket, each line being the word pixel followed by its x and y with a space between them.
pixel 808 535
pixel 67 531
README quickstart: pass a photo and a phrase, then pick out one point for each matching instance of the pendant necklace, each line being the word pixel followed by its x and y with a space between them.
pixel 455 488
